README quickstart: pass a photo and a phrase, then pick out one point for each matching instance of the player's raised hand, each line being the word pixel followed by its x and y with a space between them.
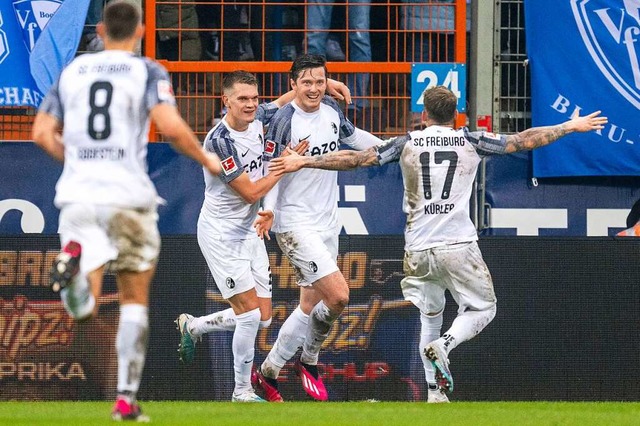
pixel 263 223
pixel 587 123
pixel 339 90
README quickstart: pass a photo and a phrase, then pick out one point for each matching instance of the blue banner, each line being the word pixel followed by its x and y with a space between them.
pixel 584 57
pixel 24 79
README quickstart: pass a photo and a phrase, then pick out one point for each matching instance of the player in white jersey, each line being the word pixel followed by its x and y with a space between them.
pixel 439 166
pixel 96 119
pixel 236 256
pixel 306 223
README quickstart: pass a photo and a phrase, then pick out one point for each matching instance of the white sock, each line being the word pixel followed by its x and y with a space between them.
pixel 243 345
pixel 77 298
pixel 466 326
pixel 320 321
pixel 290 338
pixel 218 321
pixel 131 344
pixel 430 329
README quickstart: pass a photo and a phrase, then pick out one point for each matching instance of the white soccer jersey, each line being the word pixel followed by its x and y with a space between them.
pixel 103 99
pixel 308 198
pixel 240 152
pixel 439 166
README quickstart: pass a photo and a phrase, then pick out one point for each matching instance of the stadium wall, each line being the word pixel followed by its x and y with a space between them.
pixel 566 327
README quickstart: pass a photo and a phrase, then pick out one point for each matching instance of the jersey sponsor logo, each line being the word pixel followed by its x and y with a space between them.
pixel 270 148
pixel 33 16
pixel 245 153
pixel 229 165
pixel 230 283
pixel 325 148
pixel 252 165
pixel 334 127
pixel 305 138
pixel 610 34
pixel 165 91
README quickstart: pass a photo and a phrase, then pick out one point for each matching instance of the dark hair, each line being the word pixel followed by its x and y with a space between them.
pixel 242 77
pixel 121 18
pixel 440 103
pixel 305 62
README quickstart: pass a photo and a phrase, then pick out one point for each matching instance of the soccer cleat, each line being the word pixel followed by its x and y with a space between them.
pixel 248 396
pixel 65 266
pixel 438 357
pixel 187 346
pixel 268 385
pixel 126 411
pixel 311 381
pixel 436 396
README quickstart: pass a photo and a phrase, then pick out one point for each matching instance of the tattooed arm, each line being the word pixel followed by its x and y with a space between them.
pixel 340 160
pixel 540 136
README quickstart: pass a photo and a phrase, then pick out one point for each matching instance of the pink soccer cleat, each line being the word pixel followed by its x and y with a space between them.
pixel 268 385
pixel 311 381
pixel 123 410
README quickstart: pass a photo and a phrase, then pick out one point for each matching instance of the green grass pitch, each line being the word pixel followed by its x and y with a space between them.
pixel 332 413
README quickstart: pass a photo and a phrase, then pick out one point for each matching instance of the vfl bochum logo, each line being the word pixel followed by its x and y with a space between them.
pixel 33 16
pixel 4 45
pixel 611 34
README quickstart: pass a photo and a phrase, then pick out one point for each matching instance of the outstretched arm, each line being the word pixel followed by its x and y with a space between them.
pixel 536 137
pixel 340 160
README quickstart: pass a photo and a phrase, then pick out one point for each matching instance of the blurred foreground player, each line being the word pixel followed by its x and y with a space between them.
pixel 439 166
pixel 95 119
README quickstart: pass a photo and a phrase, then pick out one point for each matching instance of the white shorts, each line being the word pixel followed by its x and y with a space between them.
pixel 458 268
pixel 312 254
pixel 237 266
pixel 128 239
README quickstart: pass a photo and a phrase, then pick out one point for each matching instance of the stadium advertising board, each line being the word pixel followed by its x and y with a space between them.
pixel 43 354
pixel 545 286
pixel 594 65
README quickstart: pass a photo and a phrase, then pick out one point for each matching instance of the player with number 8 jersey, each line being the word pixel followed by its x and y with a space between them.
pixel 104 99
pixel 95 119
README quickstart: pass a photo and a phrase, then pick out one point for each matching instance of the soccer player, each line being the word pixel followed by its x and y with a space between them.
pixel 236 257
pixel 95 119
pixel 439 166
pixel 306 225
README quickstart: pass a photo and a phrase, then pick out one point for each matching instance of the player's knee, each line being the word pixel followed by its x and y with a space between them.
pixel 340 301
pixel 265 323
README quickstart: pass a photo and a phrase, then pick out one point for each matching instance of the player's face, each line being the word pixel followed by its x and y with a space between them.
pixel 310 88
pixel 241 103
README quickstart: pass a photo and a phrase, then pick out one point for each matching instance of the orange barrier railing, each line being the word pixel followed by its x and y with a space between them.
pixel 193 39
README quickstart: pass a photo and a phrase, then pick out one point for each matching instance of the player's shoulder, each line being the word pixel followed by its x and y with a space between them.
pixel 330 102
pixel 217 138
pixel 282 117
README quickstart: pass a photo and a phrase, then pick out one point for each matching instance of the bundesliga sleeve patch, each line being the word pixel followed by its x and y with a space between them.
pixel 165 91
pixel 270 148
pixel 229 165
